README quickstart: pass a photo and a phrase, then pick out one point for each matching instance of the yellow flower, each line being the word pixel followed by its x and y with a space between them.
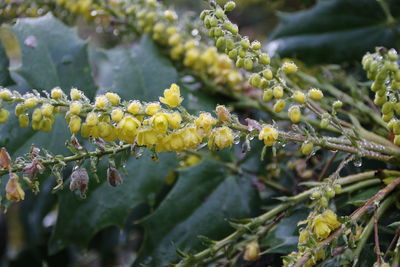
pixel 204 123
pixel 294 113
pixel 175 142
pixel 268 134
pixel 4 115
pixel 220 138
pixel 331 219
pixel 174 120
pixel 172 96
pixel 153 108
pixel 303 237
pixel 252 251
pixel 75 124
pixel 92 119
pixel 127 129
pixel 191 137
pixel 47 110
pixel 289 67
pixel 321 227
pixel 14 190
pixel 160 122
pixel 5 94
pixel 117 114
pixel 75 107
pixel 31 102
pixel 146 137
pixel 134 107
pixel 299 97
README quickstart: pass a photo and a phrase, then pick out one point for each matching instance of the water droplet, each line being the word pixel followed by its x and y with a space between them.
pixel 357 162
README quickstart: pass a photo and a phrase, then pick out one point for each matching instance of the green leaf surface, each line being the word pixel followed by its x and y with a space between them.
pixel 199 204
pixel 79 219
pixel 52 55
pixel 141 73
pixel 283 238
pixel 5 78
pixel 333 31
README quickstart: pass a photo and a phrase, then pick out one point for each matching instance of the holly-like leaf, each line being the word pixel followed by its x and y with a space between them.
pixel 79 219
pixel 199 204
pixel 52 55
pixel 334 31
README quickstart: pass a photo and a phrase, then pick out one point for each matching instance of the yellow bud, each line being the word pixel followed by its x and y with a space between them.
pixel 101 102
pixel 37 115
pixel 289 67
pixel 279 106
pixel 252 251
pixel 113 98
pixel 191 137
pixel 23 120
pixel 191 57
pixel 4 115
pixel 5 94
pixel 31 102
pixel 92 119
pixel 303 236
pixel 56 93
pixel 306 148
pixel 75 124
pixel 268 134
pixel 47 110
pixel 174 39
pixel 105 129
pixel 19 109
pixel 220 138
pixel 170 15
pixel 75 94
pixel 278 91
pixel 267 73
pixel 117 114
pixel 152 108
pixel 299 97
pixel 315 94
pixel 75 107
pixel 396 140
pixel 223 113
pixel 172 96
pixel 294 114
pixel 46 124
pixel 267 95
pixel 134 107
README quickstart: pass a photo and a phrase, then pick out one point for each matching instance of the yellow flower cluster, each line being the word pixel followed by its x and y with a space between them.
pixel 323 224
pixel 162 24
pixel 80 7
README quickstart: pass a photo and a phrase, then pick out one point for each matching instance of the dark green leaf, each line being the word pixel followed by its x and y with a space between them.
pixel 79 219
pixel 333 31
pixel 199 204
pixel 52 55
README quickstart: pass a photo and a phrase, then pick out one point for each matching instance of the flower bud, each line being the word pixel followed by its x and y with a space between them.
pixel 5 95
pixel 248 64
pixel 134 107
pixel 324 123
pixel 23 120
pixel 278 91
pixel 267 74
pixel 264 59
pixel 117 114
pixel 4 115
pixel 113 98
pixel 56 93
pixel 306 148
pixel 279 106
pixel 152 108
pixel 392 54
pixel 294 114
pixel 267 95
pixel 113 177
pixel 92 119
pixel 299 97
pixel 47 110
pixel 329 192
pixel 252 251
pixel 256 45
pixel 31 102
pixel 255 80
pixel 229 6
pixel 75 94
pixel 289 67
pixel 75 124
pixel 315 94
pixel 101 102
pixel 337 104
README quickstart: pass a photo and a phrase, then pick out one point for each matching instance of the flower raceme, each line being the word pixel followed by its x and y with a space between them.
pixel 149 125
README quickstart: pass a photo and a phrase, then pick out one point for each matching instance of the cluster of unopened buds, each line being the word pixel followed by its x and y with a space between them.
pixel 161 24
pixel 382 68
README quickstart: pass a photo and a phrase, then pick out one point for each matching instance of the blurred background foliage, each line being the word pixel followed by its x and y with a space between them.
pixel 164 206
